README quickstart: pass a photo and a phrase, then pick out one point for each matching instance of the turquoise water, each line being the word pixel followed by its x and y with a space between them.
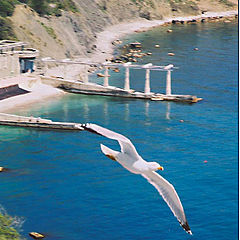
pixel 64 187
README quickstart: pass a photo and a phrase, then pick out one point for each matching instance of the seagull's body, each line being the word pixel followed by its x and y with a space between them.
pixel 133 162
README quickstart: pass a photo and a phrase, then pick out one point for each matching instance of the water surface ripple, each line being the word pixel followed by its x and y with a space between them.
pixel 65 187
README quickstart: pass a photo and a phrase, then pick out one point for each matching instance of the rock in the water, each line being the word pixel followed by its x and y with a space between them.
pixel 116 70
pixel 2 169
pixel 102 75
pixel 36 235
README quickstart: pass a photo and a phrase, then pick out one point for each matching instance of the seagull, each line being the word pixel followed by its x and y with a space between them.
pixel 133 162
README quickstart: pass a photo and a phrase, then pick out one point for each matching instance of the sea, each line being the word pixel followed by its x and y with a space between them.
pixel 61 185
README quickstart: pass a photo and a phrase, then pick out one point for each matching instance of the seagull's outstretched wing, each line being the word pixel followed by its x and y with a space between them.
pixel 126 145
pixel 170 196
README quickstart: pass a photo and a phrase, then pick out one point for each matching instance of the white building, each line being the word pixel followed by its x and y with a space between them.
pixel 15 58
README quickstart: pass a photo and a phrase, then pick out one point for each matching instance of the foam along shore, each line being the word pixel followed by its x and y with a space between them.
pixel 40 92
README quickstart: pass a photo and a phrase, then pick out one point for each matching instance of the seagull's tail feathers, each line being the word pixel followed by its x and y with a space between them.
pixel 109 152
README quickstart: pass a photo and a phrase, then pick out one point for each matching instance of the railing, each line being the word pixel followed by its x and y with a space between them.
pixel 7 44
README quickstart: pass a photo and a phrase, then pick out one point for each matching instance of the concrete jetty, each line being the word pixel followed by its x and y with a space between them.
pixel 21 121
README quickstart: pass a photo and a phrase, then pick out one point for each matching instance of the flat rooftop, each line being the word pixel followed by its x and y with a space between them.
pixel 8 44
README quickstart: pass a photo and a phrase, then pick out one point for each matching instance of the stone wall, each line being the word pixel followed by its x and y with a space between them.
pixel 9 65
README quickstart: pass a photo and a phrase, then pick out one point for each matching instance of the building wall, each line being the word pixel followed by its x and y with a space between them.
pixel 9 65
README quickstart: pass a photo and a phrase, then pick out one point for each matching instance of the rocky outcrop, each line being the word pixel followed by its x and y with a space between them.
pixel 74 34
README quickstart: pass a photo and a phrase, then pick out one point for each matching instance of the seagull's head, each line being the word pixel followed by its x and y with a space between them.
pixel 154 166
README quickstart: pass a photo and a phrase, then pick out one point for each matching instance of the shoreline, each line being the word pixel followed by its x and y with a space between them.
pixel 104 47
pixel 104 50
pixel 120 30
pixel 38 92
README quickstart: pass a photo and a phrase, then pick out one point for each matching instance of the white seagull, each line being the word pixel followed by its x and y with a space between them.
pixel 132 161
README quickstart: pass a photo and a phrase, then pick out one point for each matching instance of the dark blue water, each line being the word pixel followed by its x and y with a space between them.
pixel 65 187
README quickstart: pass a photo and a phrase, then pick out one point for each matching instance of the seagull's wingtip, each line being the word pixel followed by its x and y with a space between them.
pixel 186 227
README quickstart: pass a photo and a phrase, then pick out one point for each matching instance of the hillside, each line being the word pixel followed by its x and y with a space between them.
pixel 72 31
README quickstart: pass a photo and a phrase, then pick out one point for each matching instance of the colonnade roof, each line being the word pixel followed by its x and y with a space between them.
pixel 8 44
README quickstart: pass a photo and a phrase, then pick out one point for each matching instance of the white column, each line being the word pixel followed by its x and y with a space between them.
pixel 168 83
pixel 106 77
pixel 147 82
pixel 127 83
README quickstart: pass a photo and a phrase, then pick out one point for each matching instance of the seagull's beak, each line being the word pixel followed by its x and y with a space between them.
pixel 161 168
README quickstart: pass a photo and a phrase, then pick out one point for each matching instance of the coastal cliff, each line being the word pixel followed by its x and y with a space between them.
pixel 73 33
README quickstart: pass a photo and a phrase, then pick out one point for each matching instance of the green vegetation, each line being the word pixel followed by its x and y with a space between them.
pixel 67 5
pixel 6 7
pixel 6 10
pixel 7 232
pixel 147 2
pixel 6 31
pixel 42 7
pixel 49 30
pixel 51 7
pixel 226 2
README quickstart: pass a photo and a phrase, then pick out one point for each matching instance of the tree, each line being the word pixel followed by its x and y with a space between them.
pixel 40 6
pixel 6 8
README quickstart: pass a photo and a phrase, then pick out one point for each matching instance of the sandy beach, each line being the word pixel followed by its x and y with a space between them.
pixel 104 50
pixel 37 93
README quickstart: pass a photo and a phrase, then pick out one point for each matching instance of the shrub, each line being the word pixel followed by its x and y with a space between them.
pixel 6 7
pixel 40 6
pixel 7 232
pixel 6 29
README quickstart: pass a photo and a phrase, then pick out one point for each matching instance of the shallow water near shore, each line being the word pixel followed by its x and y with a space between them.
pixel 66 188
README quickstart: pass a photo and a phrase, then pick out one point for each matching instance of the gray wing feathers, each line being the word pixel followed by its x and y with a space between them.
pixel 104 132
pixel 126 145
pixel 168 193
